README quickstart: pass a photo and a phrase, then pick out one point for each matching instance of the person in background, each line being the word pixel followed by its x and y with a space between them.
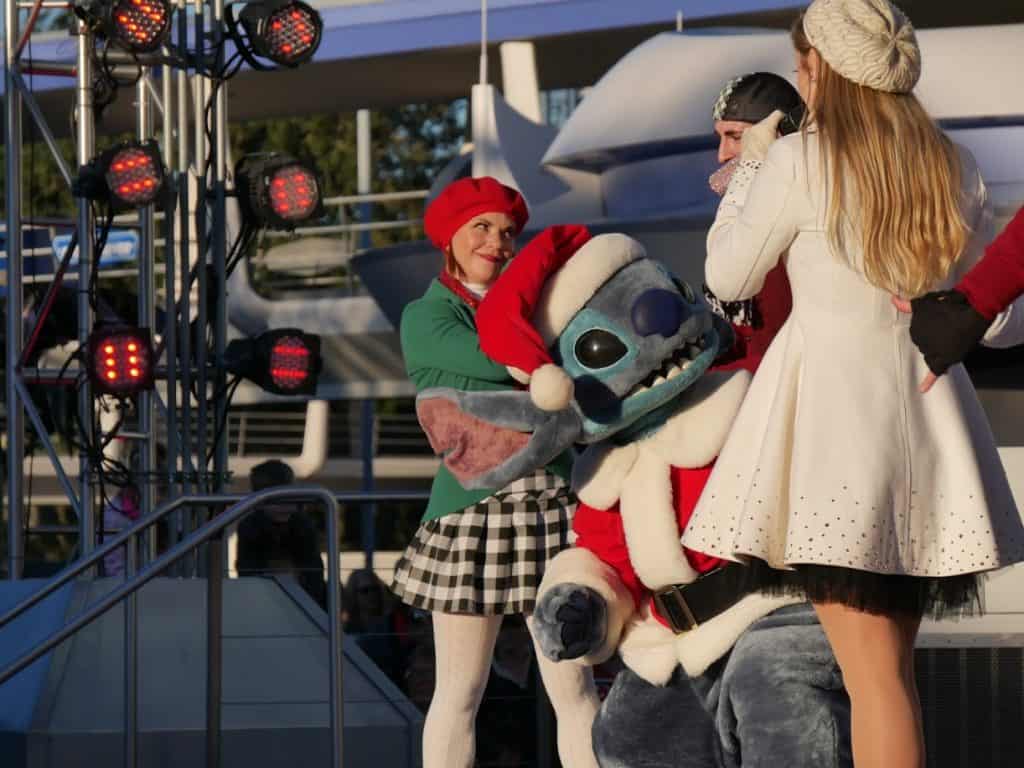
pixel 377 622
pixel 743 102
pixel 119 513
pixel 479 555
pixel 280 538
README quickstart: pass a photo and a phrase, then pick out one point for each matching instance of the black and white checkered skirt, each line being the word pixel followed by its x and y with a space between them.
pixel 488 559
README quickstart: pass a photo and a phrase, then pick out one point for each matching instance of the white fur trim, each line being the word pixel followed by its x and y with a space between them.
pixel 518 374
pixel 581 566
pixel 694 436
pixel 600 472
pixel 652 650
pixel 651 525
pixel 551 388
pixel 700 648
pixel 568 289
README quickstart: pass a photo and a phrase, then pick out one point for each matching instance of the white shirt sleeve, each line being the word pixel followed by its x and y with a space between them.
pixel 754 226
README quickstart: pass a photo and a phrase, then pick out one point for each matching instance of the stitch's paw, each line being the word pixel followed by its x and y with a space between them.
pixel 570 621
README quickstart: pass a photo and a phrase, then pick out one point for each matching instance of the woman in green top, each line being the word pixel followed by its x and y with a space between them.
pixel 479 555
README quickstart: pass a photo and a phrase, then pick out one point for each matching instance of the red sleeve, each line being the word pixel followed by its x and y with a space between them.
pixel 998 279
pixel 601 532
pixel 738 355
pixel 508 306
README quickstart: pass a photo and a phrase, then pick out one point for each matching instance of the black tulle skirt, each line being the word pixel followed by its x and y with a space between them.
pixel 926 596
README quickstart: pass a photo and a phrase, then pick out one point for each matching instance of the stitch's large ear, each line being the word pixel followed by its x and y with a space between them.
pixel 489 439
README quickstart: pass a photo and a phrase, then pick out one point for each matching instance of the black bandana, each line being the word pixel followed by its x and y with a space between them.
pixel 751 98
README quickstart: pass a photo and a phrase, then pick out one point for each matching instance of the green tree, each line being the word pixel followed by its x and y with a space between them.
pixel 410 145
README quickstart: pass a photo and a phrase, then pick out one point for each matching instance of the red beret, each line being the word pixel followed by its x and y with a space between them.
pixel 461 200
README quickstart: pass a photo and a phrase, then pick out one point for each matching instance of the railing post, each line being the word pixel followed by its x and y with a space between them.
pixel 214 646
pixel 334 653
pixel 131 661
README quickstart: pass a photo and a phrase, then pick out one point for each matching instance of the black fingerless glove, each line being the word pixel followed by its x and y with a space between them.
pixel 945 327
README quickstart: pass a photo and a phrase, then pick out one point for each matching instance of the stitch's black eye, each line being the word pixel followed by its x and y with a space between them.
pixel 686 290
pixel 598 348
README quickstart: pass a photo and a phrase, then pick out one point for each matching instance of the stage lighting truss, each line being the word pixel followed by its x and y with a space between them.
pixel 284 361
pixel 120 360
pixel 130 175
pixel 277 191
pixel 140 26
pixel 287 32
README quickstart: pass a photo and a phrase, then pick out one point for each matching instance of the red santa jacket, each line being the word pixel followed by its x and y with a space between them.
pixel 602 532
pixel 998 279
pixel 774 303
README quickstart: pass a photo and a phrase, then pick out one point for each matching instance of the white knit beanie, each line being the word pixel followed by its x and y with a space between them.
pixel 870 42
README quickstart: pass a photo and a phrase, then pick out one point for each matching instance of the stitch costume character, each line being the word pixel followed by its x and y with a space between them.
pixel 754 682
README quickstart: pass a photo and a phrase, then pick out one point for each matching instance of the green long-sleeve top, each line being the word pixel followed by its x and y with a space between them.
pixel 441 349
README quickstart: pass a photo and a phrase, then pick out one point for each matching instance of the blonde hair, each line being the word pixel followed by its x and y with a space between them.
pixel 887 157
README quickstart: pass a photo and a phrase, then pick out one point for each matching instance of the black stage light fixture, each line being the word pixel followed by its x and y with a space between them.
pixel 287 32
pixel 130 175
pixel 277 191
pixel 140 26
pixel 120 360
pixel 285 361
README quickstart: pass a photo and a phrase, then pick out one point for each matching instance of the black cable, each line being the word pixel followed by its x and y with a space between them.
pixel 99 244
pixel 224 421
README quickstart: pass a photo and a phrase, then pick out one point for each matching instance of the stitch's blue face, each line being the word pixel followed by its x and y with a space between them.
pixel 639 342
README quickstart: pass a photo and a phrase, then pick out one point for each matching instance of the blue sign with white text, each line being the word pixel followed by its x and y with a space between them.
pixel 122 247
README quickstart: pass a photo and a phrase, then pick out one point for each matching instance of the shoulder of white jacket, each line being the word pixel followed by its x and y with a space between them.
pixel 788 153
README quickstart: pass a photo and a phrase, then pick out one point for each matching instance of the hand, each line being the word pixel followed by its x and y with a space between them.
pixel 758 138
pixel 945 327
pixel 903 305
pixel 570 621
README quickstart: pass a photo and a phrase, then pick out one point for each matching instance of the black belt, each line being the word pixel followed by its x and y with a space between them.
pixel 687 606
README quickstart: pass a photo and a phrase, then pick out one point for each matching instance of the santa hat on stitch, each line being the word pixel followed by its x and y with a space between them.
pixel 543 288
pixel 461 200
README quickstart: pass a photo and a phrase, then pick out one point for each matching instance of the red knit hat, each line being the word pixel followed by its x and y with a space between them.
pixel 461 200
pixel 537 295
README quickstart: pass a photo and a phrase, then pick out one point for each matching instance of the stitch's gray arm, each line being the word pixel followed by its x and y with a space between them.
pixel 489 439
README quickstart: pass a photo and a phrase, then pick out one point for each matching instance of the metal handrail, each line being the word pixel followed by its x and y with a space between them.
pixel 242 506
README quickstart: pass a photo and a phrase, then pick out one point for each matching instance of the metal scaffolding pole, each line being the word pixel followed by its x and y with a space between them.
pixel 200 95
pixel 12 178
pixel 85 149
pixel 147 319
pixel 219 253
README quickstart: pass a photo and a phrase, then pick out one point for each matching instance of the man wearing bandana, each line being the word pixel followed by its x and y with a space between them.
pixel 743 102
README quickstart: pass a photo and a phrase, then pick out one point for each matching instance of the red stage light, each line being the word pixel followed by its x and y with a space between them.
pixel 285 31
pixel 285 361
pixel 277 191
pixel 290 361
pixel 121 360
pixel 139 25
pixel 129 175
pixel 134 174
pixel 294 193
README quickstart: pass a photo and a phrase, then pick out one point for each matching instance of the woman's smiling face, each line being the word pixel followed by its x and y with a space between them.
pixel 482 245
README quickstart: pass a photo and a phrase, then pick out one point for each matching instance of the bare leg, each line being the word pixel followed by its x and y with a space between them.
pixel 463 646
pixel 570 687
pixel 876 656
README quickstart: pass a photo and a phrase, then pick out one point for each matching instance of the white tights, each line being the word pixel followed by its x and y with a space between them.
pixel 463 646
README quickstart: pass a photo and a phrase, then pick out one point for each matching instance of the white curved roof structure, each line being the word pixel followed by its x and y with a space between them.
pixel 657 99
